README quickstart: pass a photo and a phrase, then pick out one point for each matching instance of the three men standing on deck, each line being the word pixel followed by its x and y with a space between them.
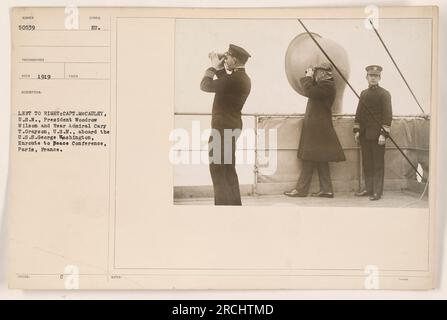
pixel 319 143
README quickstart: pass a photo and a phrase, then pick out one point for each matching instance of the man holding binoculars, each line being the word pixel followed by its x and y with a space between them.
pixel 231 91
pixel 319 143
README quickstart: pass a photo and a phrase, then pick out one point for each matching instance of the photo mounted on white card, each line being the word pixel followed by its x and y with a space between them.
pixel 160 148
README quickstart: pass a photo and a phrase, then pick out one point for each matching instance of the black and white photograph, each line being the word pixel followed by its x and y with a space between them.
pixel 302 112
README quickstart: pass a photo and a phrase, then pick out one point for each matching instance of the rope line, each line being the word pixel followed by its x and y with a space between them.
pixel 395 64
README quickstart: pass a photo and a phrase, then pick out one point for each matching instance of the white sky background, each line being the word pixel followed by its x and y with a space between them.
pixel 409 40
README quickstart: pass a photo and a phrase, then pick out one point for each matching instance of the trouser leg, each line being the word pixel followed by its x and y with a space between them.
pixel 218 177
pixel 305 178
pixel 367 159
pixel 223 171
pixel 232 184
pixel 232 181
pixel 324 176
pixel 217 169
pixel 379 168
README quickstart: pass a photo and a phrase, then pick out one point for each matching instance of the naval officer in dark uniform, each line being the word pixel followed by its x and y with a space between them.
pixel 231 91
pixel 372 126
pixel 319 143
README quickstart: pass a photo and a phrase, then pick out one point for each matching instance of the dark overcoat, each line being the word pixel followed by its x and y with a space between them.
pixel 318 141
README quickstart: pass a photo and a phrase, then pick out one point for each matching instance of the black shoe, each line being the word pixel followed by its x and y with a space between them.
pixel 374 197
pixel 322 194
pixel 363 193
pixel 295 193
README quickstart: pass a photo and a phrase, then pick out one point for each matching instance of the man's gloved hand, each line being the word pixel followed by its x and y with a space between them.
pixel 216 63
pixel 382 140
pixel 357 137
pixel 309 72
